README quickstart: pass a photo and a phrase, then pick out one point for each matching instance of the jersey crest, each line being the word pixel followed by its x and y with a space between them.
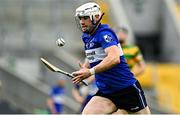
pixel 107 38
pixel 90 44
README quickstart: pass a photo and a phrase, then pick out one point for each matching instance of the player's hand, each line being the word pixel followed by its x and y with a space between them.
pixel 83 73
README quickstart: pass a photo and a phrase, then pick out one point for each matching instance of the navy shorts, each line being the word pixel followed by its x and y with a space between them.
pixel 131 99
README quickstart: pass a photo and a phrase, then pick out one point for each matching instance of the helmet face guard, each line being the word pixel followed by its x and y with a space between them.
pixel 77 19
pixel 88 10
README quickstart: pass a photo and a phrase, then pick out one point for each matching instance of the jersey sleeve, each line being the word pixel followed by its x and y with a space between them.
pixel 107 39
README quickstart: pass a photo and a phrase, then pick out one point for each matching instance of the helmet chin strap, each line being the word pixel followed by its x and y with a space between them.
pixel 94 25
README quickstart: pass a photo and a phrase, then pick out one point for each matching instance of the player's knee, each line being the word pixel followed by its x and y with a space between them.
pixel 146 111
pixel 88 111
pixel 93 110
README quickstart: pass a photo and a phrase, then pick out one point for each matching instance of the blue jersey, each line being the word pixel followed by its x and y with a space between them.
pixel 56 95
pixel 119 76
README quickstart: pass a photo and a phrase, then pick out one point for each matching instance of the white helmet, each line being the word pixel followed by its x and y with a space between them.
pixel 90 9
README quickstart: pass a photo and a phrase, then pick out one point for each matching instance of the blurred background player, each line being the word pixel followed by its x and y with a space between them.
pixel 55 100
pixel 132 53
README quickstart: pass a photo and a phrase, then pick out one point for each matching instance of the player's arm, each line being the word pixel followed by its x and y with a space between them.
pixel 140 64
pixel 112 59
pixel 77 96
pixel 139 68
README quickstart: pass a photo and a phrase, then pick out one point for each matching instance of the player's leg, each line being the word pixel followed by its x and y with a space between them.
pixel 120 111
pixel 99 105
pixel 131 100
pixel 146 111
pixel 142 100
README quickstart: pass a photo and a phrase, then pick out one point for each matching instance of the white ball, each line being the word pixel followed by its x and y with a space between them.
pixel 60 42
